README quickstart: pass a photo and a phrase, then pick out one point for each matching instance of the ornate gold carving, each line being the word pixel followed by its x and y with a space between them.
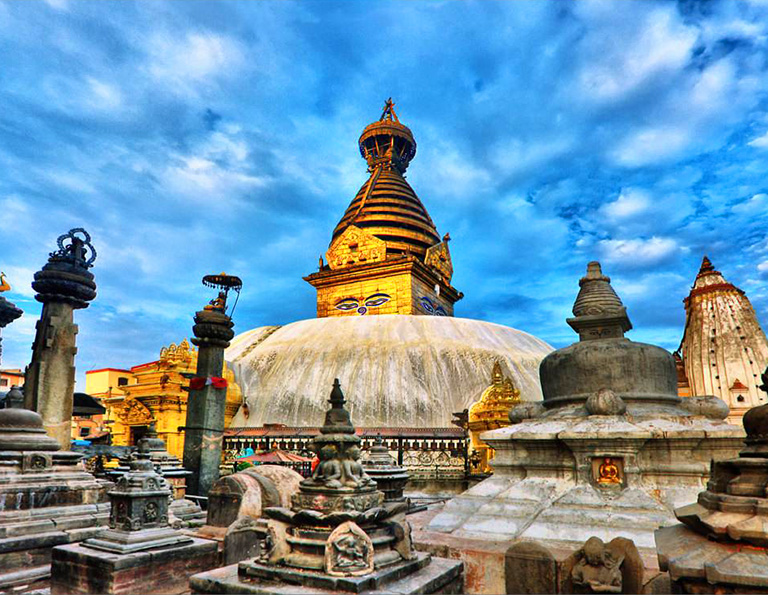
pixel 355 246
pixel 133 412
pixel 4 285
pixel 490 412
pixel 608 472
pixel 180 355
pixel 439 258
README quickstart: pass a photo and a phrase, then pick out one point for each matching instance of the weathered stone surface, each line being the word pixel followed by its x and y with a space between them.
pixel 62 285
pixel 708 406
pixel 79 570
pixel 429 369
pixel 605 402
pixel 439 576
pixel 46 499
pixel 583 468
pixel 597 567
pixel 530 568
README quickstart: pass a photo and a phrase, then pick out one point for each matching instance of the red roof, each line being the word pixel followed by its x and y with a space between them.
pixel 108 370
pixel 737 385
pixel 275 456
pixel 454 433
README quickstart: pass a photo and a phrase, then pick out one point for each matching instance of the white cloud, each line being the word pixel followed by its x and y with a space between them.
pixel 636 253
pixel 651 145
pixel 619 58
pixel 763 266
pixel 761 142
pixel 631 202
pixel 193 60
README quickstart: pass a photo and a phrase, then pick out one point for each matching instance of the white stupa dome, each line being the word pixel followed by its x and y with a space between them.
pixel 395 370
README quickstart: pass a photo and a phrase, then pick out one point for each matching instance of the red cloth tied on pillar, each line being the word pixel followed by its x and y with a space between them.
pixel 200 382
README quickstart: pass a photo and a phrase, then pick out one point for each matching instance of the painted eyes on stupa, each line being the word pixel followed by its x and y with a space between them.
pixel 431 308
pixel 372 301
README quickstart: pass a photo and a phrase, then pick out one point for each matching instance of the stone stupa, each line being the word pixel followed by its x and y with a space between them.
pixel 610 452
pixel 47 498
pixel 339 534
pixel 723 546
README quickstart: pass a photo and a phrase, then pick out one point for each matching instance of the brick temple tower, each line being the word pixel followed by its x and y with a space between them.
pixel 723 349
pixel 386 256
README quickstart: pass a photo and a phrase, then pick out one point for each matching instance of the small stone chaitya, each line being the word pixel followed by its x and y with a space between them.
pixel 339 534
pixel 723 547
pixel 139 552
pixel 611 451
pixel 46 498
pixel 390 477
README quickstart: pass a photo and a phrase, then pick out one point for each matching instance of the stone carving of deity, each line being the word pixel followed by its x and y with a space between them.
pixel 597 570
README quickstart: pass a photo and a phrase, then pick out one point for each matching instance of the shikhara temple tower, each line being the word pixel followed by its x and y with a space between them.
pixel 723 349
pixel 386 256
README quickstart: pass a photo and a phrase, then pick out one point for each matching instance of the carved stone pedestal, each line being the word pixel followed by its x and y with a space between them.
pixel 46 499
pixel 140 552
pixel 338 535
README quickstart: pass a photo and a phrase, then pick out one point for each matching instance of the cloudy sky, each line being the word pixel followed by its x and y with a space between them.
pixel 194 137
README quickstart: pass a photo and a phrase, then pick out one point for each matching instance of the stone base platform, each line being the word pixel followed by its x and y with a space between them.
pixel 80 570
pixel 26 544
pixel 484 559
pixel 699 565
pixel 433 575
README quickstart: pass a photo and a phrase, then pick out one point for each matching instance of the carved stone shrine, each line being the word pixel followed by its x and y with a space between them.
pixel 610 452
pixel 139 552
pixel 723 545
pixel 182 511
pixel 46 498
pixel 339 535
pixel 390 477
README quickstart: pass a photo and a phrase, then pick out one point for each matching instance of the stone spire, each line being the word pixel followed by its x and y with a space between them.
pixel 206 405
pixel 598 311
pixel 390 477
pixel 63 285
pixel 723 348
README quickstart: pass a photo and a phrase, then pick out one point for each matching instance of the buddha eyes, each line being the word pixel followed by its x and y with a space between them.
pixel 372 301
pixel 430 308
pixel 377 299
pixel 347 304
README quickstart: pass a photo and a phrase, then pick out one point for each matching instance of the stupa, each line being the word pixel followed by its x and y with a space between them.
pixel 723 545
pixel 385 317
pixel 339 535
pixel 183 512
pixel 610 452
pixel 46 498
pixel 723 349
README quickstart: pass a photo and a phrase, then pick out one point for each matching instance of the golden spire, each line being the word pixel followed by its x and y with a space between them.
pixel 4 285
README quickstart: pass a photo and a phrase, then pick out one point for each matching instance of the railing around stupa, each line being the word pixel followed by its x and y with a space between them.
pixel 426 453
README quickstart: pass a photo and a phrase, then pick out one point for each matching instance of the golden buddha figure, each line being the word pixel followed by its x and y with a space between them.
pixel 608 472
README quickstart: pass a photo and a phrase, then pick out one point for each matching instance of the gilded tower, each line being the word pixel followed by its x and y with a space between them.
pixel 386 256
pixel 723 350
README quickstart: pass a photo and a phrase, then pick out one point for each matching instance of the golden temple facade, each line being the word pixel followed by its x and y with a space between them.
pixel 155 392
pixel 386 256
pixel 490 412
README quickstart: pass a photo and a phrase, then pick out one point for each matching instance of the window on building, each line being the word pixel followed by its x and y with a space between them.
pixel 740 399
pixel 85 431
pixel 3 382
pixel 122 381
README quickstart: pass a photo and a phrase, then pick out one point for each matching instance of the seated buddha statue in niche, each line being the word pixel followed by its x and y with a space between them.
pixel 608 472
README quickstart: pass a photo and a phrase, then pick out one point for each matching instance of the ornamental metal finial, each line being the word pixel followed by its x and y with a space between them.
pixel 224 283
pixel 78 250
pixel 389 111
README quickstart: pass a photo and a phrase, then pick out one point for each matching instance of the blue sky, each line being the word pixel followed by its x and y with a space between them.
pixel 194 137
